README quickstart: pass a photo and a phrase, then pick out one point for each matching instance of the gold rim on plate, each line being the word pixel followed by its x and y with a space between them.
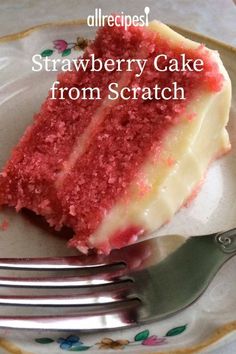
pixel 217 334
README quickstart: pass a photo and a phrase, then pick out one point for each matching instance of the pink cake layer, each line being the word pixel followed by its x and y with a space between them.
pixel 28 179
pixel 76 182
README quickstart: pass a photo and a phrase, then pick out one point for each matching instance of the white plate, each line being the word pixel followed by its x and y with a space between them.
pixel 213 316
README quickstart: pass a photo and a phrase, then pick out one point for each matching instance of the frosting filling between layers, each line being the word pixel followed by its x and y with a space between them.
pixel 168 184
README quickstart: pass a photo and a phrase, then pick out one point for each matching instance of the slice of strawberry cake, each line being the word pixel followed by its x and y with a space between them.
pixel 114 170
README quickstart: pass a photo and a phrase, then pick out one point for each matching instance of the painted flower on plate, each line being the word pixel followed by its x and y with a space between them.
pixel 108 343
pixel 69 342
pixel 154 340
pixel 60 45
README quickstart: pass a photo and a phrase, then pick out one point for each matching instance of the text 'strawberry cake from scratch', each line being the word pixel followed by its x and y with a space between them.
pixel 113 170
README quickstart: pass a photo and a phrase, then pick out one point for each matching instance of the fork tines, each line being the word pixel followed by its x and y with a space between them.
pixel 103 297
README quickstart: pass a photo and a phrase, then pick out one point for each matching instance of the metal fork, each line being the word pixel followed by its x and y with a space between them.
pixel 131 286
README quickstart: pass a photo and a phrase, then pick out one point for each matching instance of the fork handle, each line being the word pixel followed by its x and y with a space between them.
pixel 227 241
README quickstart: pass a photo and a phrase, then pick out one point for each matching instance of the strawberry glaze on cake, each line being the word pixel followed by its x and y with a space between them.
pixel 79 157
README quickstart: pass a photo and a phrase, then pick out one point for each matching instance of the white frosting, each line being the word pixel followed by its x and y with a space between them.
pixel 190 147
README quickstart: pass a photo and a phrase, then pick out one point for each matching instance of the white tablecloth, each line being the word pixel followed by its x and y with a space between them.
pixel 216 18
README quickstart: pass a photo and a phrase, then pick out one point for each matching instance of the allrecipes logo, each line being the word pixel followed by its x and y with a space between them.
pixel 99 20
